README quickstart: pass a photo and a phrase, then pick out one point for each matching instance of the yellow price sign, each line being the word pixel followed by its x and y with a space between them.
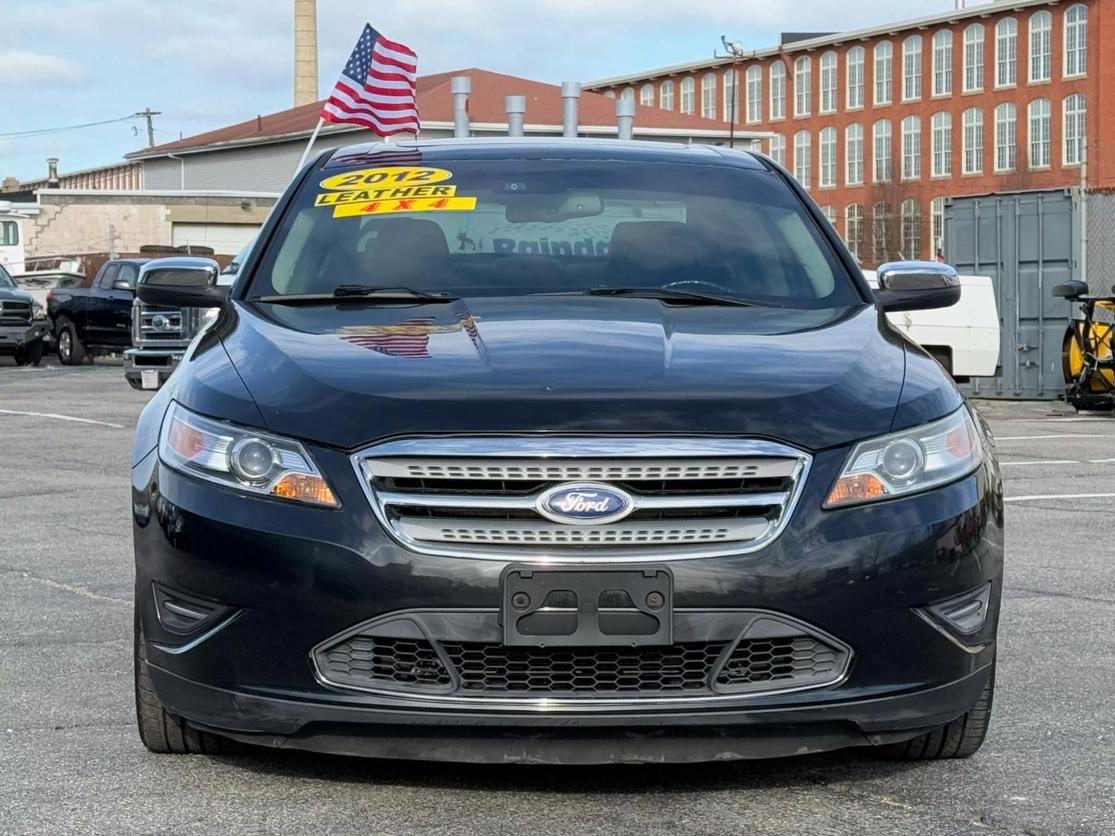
pixel 386 176
pixel 390 193
pixel 416 204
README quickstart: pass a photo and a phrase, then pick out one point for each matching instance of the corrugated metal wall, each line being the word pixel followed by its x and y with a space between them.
pixel 1027 242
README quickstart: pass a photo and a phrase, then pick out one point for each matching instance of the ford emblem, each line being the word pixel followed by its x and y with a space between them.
pixel 585 504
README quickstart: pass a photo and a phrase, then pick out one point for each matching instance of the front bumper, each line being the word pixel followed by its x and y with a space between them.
pixel 162 362
pixel 290 578
pixel 15 338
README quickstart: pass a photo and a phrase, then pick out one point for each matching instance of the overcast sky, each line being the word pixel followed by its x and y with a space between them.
pixel 208 63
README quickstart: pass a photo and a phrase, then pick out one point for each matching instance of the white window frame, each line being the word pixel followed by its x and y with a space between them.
pixel 646 95
pixel 778 149
pixel 1006 137
pixel 708 96
pixel 827 158
pixel 937 227
pixel 803 159
pixel 882 217
pixel 1039 117
pixel 1041 47
pixel 884 73
pixel 731 89
pixel 882 152
pixel 1076 41
pixel 941 141
pixel 975 39
pixel 911 68
pixel 853 229
pixel 830 214
pixel 972 141
pixel 628 94
pixel 803 86
pixel 1006 53
pixel 1075 129
pixel 910 223
pixel 854 94
pixel 942 63
pixel 829 83
pixel 754 94
pixel 778 90
pixel 911 148
pixel 853 154
pixel 666 95
pixel 688 94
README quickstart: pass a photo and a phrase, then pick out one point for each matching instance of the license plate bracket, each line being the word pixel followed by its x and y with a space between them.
pixel 577 607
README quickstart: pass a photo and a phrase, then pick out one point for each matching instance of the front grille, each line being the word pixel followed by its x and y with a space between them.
pixel 14 312
pixel 162 325
pixel 770 660
pixel 387 660
pixel 480 497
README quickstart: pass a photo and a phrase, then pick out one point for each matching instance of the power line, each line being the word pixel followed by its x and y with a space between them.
pixel 47 131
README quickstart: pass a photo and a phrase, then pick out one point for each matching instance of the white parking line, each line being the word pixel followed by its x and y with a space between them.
pixel 1041 497
pixel 1035 464
pixel 1051 437
pixel 57 417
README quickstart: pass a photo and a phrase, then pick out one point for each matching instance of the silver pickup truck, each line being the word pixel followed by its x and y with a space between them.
pixel 161 335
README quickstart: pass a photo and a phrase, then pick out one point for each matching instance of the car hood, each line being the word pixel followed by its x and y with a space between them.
pixel 12 293
pixel 349 375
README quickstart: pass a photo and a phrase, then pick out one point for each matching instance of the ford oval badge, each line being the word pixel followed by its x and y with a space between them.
pixel 587 503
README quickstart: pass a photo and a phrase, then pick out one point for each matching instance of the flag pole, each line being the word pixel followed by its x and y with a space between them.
pixel 309 145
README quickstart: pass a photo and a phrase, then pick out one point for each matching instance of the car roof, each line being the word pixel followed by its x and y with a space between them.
pixel 505 148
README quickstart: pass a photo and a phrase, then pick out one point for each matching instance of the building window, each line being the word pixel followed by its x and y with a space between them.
pixel 646 95
pixel 937 228
pixel 911 68
pixel 778 149
pixel 666 95
pixel 628 94
pixel 830 215
pixel 853 155
pixel 803 86
pixel 708 96
pixel 973 141
pixel 942 144
pixel 754 94
pixel 1076 40
pixel 911 148
pixel 1076 113
pixel 855 77
pixel 911 229
pixel 778 90
pixel 731 96
pixel 1041 46
pixel 942 63
pixel 883 151
pixel 803 158
pixel 853 229
pixel 1006 53
pixel 973 58
pixel 1006 137
pixel 884 73
pixel 687 89
pixel 828 158
pixel 881 227
pixel 828 82
pixel 1041 133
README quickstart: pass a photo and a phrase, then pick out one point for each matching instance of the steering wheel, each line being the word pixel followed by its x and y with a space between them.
pixel 697 283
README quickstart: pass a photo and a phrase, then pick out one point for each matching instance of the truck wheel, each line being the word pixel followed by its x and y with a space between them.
pixel 160 730
pixel 961 738
pixel 30 355
pixel 70 350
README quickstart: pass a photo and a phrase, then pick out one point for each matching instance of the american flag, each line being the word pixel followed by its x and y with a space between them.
pixel 376 87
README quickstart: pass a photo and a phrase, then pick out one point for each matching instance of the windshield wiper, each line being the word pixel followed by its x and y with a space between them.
pixel 357 293
pixel 671 295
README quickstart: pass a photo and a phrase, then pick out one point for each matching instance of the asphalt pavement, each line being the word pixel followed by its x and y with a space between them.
pixel 71 762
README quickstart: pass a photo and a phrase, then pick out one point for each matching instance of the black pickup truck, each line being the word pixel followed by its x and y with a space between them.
pixel 22 327
pixel 96 319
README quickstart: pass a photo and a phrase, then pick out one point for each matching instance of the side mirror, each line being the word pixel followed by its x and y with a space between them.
pixel 184 282
pixel 917 286
pixel 1071 290
pixel 122 284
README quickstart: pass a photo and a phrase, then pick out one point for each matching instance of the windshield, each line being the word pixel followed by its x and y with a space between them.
pixel 518 227
pixel 5 279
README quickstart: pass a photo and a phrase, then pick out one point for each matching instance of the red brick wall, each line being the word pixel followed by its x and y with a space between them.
pixel 1098 86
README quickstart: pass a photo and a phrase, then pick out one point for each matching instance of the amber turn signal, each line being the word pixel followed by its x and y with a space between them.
pixel 305 488
pixel 862 487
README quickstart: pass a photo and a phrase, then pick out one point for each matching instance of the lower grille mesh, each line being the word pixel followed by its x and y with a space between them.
pixel 771 660
pixel 381 659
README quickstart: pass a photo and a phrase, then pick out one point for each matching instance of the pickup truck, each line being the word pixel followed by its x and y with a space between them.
pixel 23 325
pixel 96 319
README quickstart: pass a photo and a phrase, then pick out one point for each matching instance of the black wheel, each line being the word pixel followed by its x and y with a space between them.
pixel 30 355
pixel 70 350
pixel 961 738
pixel 160 730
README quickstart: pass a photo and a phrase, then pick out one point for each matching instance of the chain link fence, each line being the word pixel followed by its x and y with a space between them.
pixel 1101 242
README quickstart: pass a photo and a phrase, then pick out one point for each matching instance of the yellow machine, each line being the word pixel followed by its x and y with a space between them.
pixel 1087 358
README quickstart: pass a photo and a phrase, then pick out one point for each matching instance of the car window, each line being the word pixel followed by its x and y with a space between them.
pixel 517 227
pixel 128 273
pixel 109 276
pixel 5 278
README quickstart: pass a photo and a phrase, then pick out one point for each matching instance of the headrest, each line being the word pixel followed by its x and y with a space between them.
pixel 654 248
pixel 405 249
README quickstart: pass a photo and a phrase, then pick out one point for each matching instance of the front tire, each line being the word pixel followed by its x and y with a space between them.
pixel 959 739
pixel 161 731
pixel 30 355
pixel 70 349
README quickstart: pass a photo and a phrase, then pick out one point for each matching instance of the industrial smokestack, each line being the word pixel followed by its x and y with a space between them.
pixel 625 116
pixel 460 86
pixel 52 172
pixel 305 52
pixel 515 106
pixel 570 95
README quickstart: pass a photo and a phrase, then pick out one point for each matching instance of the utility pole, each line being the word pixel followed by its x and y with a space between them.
pixel 735 52
pixel 147 113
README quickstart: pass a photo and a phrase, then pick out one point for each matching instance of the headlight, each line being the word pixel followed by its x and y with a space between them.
pixel 208 317
pixel 909 461
pixel 38 310
pixel 241 458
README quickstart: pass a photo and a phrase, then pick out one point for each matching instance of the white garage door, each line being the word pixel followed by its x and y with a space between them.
pixel 225 239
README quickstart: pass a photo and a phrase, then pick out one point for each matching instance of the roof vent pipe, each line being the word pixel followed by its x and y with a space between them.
pixel 460 86
pixel 515 106
pixel 52 172
pixel 570 95
pixel 625 116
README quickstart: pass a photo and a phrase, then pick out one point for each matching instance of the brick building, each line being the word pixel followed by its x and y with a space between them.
pixel 882 124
